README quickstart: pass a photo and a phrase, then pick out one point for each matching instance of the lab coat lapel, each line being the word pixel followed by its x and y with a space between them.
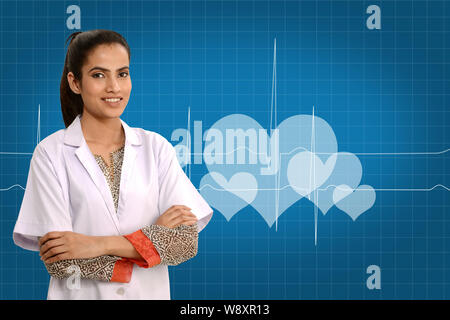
pixel 74 136
pixel 86 157
pixel 131 142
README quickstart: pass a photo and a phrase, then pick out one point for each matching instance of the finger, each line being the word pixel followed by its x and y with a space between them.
pixel 181 220
pixel 186 223
pixel 50 235
pixel 53 252
pixel 180 206
pixel 174 222
pixel 192 215
pixel 59 257
pixel 180 213
pixel 50 244
pixel 190 222
pixel 175 208
pixel 172 214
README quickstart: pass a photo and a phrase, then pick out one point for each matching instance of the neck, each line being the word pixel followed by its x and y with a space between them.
pixel 104 131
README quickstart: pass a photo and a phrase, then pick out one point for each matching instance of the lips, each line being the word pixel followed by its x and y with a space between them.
pixel 104 99
pixel 113 103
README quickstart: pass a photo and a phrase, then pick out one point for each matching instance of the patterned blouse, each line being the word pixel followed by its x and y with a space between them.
pixel 155 243
pixel 112 172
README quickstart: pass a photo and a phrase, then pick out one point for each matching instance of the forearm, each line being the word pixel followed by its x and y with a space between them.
pixel 111 264
pixel 119 246
pixel 146 247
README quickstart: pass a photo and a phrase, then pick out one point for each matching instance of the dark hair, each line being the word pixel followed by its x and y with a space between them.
pixel 81 43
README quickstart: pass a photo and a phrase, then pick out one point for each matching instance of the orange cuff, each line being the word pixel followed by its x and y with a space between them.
pixel 145 248
pixel 122 271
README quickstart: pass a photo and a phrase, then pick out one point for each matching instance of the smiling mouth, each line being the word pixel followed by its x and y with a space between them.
pixel 112 100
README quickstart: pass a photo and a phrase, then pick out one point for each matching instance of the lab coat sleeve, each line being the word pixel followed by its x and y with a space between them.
pixel 175 188
pixel 43 207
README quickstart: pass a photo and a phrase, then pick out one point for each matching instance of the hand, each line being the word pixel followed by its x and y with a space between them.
pixel 176 215
pixel 55 246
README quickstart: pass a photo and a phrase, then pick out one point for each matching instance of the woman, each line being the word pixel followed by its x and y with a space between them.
pixel 103 198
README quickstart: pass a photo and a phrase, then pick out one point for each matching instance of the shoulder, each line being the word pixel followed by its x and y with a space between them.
pixel 158 143
pixel 47 155
pixel 51 145
pixel 159 148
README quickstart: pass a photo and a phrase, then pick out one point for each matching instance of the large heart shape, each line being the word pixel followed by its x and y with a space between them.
pixel 354 202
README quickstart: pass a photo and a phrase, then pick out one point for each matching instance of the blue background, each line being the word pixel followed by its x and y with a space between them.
pixel 382 91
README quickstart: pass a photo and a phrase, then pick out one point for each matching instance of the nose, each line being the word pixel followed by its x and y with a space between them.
pixel 112 85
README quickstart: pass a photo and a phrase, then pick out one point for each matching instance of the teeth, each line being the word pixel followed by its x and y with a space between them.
pixel 112 100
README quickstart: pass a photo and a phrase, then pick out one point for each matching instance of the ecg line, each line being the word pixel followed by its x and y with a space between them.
pixel 289 186
pixel 15 185
pixel 341 153
pixel 273 114
pixel 187 170
pixel 207 185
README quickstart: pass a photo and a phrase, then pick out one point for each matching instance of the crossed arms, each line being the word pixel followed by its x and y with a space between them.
pixel 172 240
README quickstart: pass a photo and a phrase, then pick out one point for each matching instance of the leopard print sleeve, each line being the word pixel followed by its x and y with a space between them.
pixel 174 245
pixel 98 268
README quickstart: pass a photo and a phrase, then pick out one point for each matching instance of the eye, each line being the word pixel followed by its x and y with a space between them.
pixel 124 74
pixel 95 75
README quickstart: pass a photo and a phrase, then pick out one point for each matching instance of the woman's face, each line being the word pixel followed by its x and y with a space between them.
pixel 105 76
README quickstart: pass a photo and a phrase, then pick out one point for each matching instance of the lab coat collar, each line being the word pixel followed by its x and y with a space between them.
pixel 74 135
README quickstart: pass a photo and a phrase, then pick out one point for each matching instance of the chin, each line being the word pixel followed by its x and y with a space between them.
pixel 109 114
pixel 116 113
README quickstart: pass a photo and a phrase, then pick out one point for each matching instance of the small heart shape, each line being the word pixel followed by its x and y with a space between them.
pixel 226 202
pixel 347 170
pixel 354 202
pixel 340 192
pixel 241 184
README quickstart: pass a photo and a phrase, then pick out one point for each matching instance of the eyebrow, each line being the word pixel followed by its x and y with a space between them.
pixel 106 70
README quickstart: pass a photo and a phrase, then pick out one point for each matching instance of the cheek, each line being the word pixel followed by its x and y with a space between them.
pixel 127 86
pixel 92 89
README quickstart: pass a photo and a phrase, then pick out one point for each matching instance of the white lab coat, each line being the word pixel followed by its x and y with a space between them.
pixel 67 191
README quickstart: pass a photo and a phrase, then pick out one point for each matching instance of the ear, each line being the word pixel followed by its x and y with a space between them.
pixel 73 83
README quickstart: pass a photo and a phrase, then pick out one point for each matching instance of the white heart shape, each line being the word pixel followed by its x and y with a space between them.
pixel 357 202
pixel 227 203
pixel 241 184
pixel 306 172
pixel 340 192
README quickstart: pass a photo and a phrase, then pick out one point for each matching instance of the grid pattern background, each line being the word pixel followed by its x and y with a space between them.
pixel 384 93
